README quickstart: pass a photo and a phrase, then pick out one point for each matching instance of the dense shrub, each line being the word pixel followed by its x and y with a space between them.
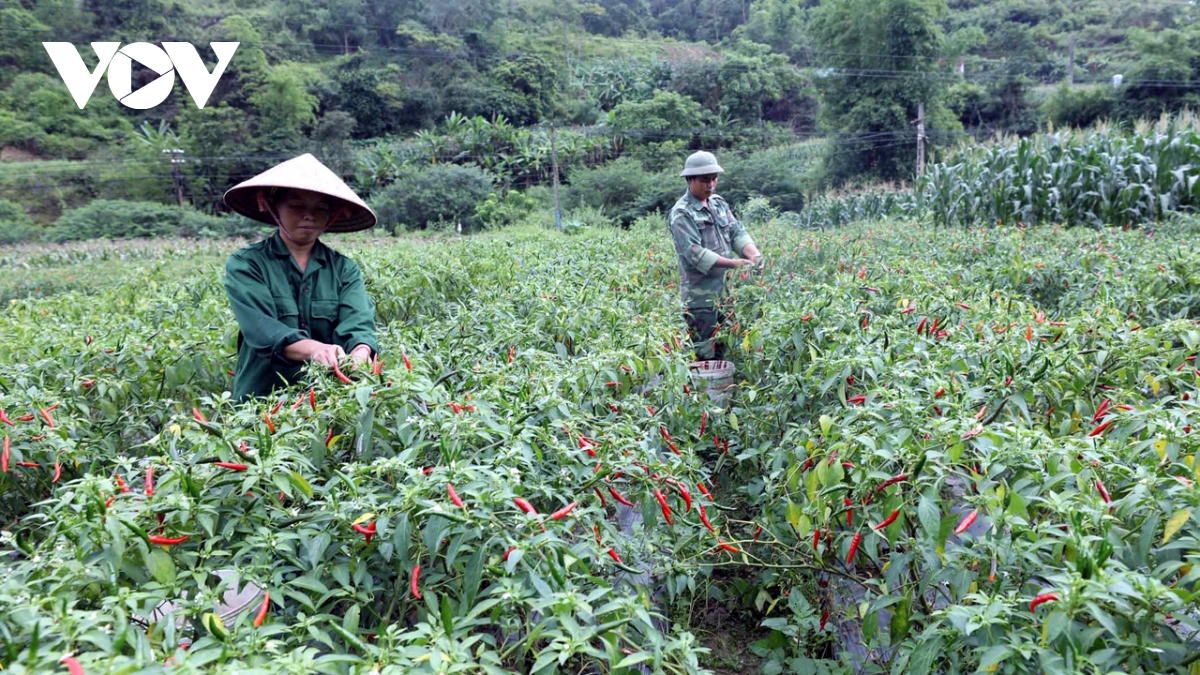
pixel 1069 107
pixel 422 196
pixel 773 174
pixel 14 224
pixel 620 188
pixel 502 210
pixel 118 219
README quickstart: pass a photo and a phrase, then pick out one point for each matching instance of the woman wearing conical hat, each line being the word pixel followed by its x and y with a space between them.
pixel 295 299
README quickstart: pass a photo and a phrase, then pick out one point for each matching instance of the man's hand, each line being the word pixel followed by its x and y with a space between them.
pixel 313 350
pixel 360 355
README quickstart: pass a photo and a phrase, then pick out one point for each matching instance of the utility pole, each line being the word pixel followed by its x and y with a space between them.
pixel 920 139
pixel 554 166
pixel 1071 63
pixel 176 175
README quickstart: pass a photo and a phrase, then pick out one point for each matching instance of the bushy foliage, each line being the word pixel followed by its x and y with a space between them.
pixel 425 196
pixel 622 189
pixel 14 224
pixel 118 219
pixel 776 175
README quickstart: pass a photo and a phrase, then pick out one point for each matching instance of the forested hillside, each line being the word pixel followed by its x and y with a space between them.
pixel 801 96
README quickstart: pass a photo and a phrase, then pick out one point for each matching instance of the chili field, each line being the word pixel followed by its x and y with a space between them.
pixel 946 451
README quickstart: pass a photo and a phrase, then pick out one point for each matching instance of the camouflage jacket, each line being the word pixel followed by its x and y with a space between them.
pixel 702 234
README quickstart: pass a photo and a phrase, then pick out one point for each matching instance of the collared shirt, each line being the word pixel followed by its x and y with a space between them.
pixel 276 305
pixel 702 234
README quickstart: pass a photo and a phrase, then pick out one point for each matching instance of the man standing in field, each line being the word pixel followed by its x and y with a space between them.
pixel 707 239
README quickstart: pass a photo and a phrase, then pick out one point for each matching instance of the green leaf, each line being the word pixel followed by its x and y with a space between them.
pixel 301 484
pixel 994 656
pixel 793 515
pixel 1175 523
pixel 930 515
pixel 826 424
pixel 162 566
pixel 350 621
pixel 923 656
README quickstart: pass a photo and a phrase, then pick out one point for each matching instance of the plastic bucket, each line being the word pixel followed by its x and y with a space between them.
pixel 715 377
pixel 234 602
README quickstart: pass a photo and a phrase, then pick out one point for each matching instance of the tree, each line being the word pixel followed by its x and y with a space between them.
pixel 872 115
pixel 617 17
pixel 778 23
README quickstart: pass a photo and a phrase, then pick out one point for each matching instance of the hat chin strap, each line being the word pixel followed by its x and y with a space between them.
pixel 261 198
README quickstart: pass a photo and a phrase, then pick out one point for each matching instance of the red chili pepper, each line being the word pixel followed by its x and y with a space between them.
pixel 525 506
pixel 613 554
pixel 703 490
pixel 1101 410
pixel 1103 491
pixel 416 578
pixel 651 410
pixel 561 513
pixel 329 437
pixel 299 402
pixel 277 407
pixel 73 665
pixel 807 317
pixel 167 541
pixel 231 466
pixel 617 496
pixel 121 484
pixel 888 521
pixel 25 418
pixel 368 532
pixel 199 415
pixel 849 512
pixel 687 496
pixel 4 418
pixel 262 609
pixel 1045 597
pixel 5 455
pixel 963 305
pixel 816 539
pixel 853 547
pixel 673 448
pixel 891 481
pixel 856 400
pixel 662 501
pixel 703 422
pixel 57 472
pixel 603 501
pixel 921 326
pixel 1028 333
pixel 407 363
pixel 509 552
pixel 1101 429
pixel 966 522
pixel 704 519
pixel 939 393
pixel 726 547
pixel 46 416
pixel 428 470
pixel 312 399
pixel 454 496
pixel 341 376
pixel 270 424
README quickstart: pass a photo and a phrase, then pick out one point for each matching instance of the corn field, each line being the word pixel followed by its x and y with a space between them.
pixel 1101 176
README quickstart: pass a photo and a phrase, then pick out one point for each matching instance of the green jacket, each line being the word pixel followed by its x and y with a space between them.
pixel 276 305
pixel 702 234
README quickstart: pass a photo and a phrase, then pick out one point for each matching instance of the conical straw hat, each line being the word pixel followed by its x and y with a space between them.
pixel 303 173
